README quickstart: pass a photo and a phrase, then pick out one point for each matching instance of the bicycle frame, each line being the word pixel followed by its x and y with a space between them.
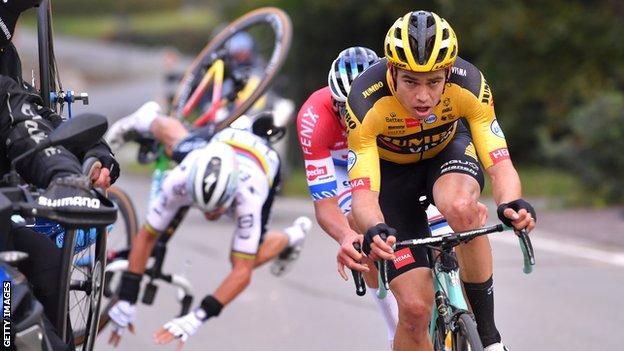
pixel 449 298
pixel 215 74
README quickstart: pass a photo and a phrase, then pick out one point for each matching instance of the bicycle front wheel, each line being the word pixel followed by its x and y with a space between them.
pixel 119 241
pixel 465 337
pixel 271 31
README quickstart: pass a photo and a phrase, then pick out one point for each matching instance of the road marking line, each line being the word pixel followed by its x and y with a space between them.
pixel 576 249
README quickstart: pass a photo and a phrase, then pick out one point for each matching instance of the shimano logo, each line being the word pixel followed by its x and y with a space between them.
pixel 75 201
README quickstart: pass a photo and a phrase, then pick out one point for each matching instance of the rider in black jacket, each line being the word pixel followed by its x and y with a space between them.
pixel 24 122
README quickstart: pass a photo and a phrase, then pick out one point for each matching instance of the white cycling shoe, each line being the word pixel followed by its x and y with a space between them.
pixel 138 122
pixel 496 347
pixel 297 233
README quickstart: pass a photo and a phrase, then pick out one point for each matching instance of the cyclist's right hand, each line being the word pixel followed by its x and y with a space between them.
pixel 349 256
pixel 377 248
pixel 122 314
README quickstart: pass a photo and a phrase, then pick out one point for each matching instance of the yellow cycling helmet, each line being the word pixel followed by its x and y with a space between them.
pixel 421 41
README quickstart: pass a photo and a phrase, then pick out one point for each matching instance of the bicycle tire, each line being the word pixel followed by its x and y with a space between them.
pixel 282 29
pixel 128 232
pixel 48 72
pixel 92 269
pixel 465 337
pixel 131 225
pixel 127 210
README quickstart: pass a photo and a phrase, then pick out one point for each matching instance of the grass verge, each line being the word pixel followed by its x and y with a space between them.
pixel 562 189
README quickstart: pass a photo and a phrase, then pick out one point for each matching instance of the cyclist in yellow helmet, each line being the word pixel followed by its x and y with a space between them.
pixel 406 139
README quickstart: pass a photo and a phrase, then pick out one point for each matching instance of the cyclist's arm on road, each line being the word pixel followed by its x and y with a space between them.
pixel 250 199
pixel 142 246
pixel 236 281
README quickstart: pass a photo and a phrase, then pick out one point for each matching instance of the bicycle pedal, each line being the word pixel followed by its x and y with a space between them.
pixel 149 293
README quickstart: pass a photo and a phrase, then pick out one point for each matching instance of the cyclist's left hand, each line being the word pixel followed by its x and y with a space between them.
pixel 100 178
pixel 518 213
pixel 179 328
pixel 109 164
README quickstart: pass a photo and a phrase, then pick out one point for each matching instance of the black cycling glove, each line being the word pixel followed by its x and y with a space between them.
pixel 130 286
pixel 515 205
pixel 381 229
pixel 102 152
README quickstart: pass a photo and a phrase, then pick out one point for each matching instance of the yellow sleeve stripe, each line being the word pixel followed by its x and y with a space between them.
pixel 470 151
pixel 151 229
pixel 243 255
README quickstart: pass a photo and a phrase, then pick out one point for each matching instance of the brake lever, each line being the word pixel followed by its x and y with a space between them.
pixel 382 266
pixel 527 250
pixel 358 278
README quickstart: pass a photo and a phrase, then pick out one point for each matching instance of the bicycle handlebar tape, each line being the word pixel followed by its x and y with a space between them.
pixel 211 306
pixel 515 205
pixel 130 286
pixel 381 229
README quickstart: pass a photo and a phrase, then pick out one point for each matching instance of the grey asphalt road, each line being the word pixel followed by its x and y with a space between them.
pixel 572 301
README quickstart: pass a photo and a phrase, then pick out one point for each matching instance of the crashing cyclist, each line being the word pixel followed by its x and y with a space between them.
pixel 406 140
pixel 234 172
pixel 23 124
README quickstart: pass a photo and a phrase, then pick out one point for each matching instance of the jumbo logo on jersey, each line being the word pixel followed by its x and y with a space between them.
pixel 496 129
pixel 349 121
pixel 373 88
pixel 486 96
pixel 416 143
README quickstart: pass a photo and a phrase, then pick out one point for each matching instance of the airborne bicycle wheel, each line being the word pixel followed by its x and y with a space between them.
pixel 119 238
pixel 466 337
pixel 271 31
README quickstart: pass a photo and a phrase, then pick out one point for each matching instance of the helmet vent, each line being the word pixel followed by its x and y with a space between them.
pixel 397 33
pixel 441 55
pixel 401 54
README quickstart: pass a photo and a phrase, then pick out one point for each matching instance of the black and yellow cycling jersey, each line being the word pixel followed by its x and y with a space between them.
pixel 380 128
